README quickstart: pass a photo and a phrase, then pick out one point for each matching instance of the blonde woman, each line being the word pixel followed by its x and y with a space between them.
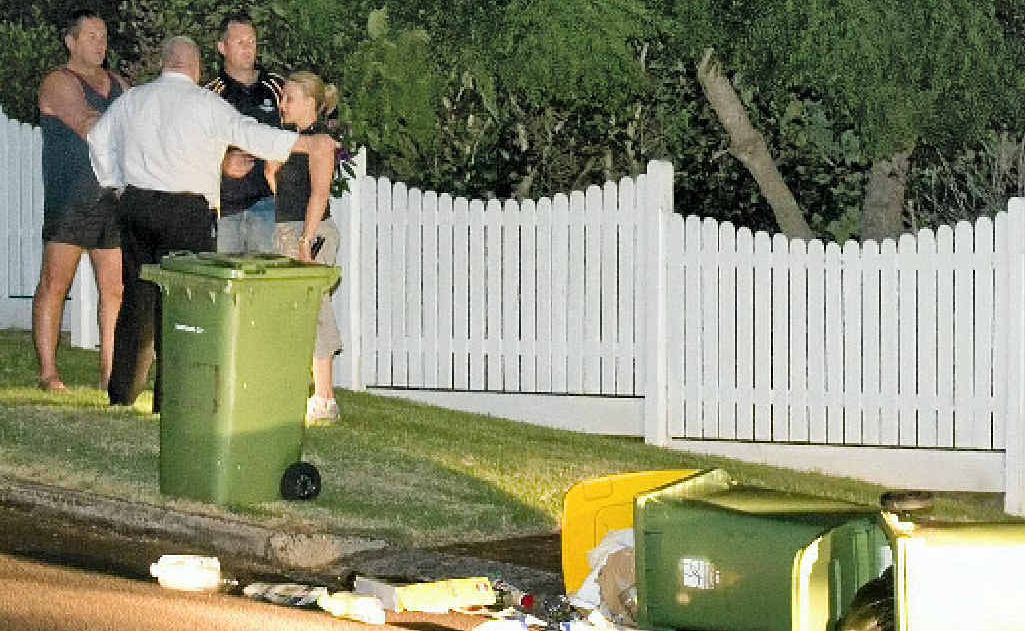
pixel 303 219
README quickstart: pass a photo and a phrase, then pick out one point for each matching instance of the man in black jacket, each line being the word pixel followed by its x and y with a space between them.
pixel 246 222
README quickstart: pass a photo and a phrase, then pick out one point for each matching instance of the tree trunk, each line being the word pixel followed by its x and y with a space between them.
pixel 748 146
pixel 882 213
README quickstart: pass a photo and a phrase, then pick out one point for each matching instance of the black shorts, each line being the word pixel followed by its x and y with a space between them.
pixel 90 224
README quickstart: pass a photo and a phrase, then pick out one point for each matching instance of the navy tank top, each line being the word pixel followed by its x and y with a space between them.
pixel 67 172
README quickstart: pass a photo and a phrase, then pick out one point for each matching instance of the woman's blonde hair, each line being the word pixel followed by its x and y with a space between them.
pixel 325 95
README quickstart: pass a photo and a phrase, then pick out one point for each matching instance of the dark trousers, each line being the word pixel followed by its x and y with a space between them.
pixel 153 224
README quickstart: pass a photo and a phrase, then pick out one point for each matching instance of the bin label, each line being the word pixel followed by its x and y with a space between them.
pixel 698 573
pixel 188 328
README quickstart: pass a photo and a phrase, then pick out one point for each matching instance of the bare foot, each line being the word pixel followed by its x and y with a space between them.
pixel 53 385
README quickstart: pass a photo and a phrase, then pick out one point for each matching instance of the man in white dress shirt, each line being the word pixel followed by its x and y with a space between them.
pixel 162 143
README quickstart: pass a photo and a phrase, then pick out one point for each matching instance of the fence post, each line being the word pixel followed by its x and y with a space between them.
pixel 83 306
pixel 354 273
pixel 658 205
pixel 1014 345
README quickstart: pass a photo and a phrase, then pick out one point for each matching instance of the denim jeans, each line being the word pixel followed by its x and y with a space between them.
pixel 251 230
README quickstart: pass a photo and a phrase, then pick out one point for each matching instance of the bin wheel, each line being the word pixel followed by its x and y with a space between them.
pixel 906 501
pixel 301 481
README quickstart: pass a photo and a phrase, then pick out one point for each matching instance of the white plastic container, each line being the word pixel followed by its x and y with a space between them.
pixel 188 572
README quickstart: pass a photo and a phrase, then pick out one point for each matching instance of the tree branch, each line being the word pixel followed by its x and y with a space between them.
pixel 748 145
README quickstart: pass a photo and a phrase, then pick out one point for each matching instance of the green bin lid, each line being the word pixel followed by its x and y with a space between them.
pixel 239 266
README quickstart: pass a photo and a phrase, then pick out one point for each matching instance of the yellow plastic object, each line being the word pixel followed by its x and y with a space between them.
pixel 594 507
pixel 358 607
pixel 431 597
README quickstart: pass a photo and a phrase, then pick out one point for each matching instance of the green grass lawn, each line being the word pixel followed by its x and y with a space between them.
pixel 392 469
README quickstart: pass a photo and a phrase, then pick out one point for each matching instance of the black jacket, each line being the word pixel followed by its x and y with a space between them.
pixel 259 100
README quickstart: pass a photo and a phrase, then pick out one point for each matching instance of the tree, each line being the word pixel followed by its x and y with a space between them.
pixel 931 71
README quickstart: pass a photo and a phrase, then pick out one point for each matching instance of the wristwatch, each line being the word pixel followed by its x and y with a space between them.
pixel 303 239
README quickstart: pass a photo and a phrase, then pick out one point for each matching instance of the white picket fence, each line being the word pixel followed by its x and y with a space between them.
pixel 605 311
pixel 21 246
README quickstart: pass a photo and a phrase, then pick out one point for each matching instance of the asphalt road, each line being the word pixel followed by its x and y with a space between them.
pixel 36 596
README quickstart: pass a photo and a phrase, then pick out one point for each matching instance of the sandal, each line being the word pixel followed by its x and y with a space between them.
pixel 52 385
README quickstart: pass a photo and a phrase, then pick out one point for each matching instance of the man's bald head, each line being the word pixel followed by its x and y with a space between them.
pixel 181 54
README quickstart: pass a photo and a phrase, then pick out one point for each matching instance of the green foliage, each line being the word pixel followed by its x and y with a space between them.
pixel 28 53
pixel 142 26
pixel 918 71
pixel 314 35
pixel 960 184
pixel 392 95
pixel 573 51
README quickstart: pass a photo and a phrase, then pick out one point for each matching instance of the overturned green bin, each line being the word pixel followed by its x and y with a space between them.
pixel 237 345
pixel 716 555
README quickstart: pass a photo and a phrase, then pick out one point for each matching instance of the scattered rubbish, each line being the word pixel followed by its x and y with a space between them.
pixel 433 597
pixel 590 595
pixel 508 595
pixel 190 573
pixel 290 594
pixel 509 624
pixel 358 607
pixel 512 613
pixel 595 622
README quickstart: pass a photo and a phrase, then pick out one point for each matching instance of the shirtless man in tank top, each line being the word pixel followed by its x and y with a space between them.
pixel 77 215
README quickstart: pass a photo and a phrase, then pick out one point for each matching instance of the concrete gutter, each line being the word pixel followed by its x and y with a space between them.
pixel 319 555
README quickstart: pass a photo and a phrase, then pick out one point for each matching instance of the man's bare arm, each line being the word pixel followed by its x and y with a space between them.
pixel 61 96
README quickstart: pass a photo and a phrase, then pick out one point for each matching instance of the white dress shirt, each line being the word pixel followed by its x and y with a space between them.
pixel 170 135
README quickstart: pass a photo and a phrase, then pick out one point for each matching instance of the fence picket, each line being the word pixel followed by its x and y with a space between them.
pixel 629 361
pixel 461 305
pixel 763 337
pixel 797 335
pixel 528 293
pixel 430 296
pixel 834 339
pixel 871 397
pixel 852 351
pixel 7 235
pixel 888 343
pixel 493 379
pixel 414 273
pixel 926 352
pixel 726 353
pixel 964 331
pixel 478 314
pixel 511 352
pixel 945 336
pixel 446 318
pixel 692 303
pixel 385 280
pixel 780 289
pixel 982 437
pixel 908 316
pixel 609 296
pixel 679 404
pixel 545 296
pixel 745 421
pixel 591 346
pixel 576 295
pixel 709 305
pixel 560 293
pixel 816 313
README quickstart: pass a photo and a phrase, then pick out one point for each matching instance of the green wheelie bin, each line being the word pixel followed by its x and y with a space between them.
pixel 712 554
pixel 237 344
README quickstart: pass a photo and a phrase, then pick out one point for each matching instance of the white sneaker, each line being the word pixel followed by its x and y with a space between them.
pixel 321 411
